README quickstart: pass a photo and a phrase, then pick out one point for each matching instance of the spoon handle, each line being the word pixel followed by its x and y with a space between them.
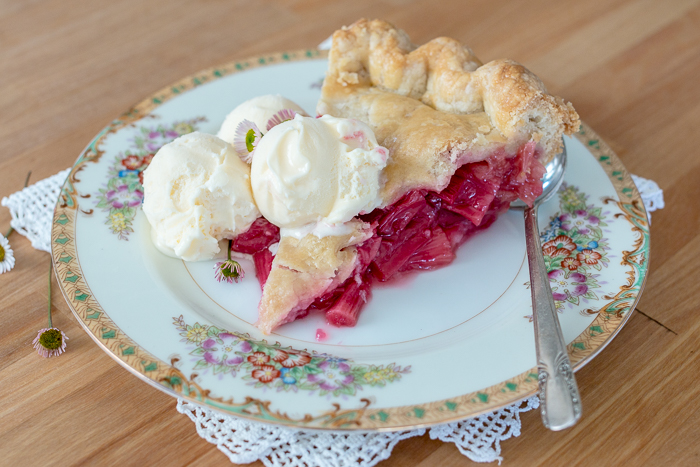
pixel 560 403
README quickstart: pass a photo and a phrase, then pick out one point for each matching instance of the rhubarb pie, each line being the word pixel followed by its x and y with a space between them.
pixel 464 140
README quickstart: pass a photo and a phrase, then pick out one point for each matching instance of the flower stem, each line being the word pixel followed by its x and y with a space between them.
pixel 230 244
pixel 50 271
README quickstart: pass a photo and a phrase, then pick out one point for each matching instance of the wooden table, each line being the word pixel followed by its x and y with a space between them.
pixel 631 68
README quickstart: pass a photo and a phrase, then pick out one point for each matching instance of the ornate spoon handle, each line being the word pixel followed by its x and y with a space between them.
pixel 560 403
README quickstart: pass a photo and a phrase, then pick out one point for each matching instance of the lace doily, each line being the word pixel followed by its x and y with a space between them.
pixel 652 195
pixel 244 441
pixel 32 209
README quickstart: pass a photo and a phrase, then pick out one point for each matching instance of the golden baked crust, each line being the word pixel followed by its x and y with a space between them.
pixel 304 269
pixel 436 107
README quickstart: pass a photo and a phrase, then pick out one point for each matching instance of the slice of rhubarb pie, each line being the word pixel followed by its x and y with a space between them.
pixel 464 140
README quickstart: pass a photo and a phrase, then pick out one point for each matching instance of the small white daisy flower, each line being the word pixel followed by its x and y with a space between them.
pixel 50 342
pixel 7 257
pixel 246 140
pixel 229 271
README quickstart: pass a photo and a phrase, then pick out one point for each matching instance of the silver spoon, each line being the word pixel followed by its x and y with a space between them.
pixel 560 403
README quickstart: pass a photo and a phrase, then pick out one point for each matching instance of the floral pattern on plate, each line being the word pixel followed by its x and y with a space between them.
pixel 574 248
pixel 270 366
pixel 123 192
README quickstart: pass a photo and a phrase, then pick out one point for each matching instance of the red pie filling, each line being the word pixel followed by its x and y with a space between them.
pixel 422 230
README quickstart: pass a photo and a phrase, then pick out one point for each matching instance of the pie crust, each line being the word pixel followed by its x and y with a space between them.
pixel 436 107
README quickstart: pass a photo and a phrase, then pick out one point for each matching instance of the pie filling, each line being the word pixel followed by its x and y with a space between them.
pixel 421 231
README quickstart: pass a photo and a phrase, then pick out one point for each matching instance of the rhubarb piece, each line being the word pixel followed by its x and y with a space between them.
pixel 263 265
pixel 524 179
pixel 404 229
pixel 259 236
pixel 436 253
pixel 346 309
pixel 471 191
pixel 400 214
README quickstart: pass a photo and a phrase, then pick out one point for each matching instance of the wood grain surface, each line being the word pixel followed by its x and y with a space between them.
pixel 630 67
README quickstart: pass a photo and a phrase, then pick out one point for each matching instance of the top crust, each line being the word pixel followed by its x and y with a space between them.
pixel 377 75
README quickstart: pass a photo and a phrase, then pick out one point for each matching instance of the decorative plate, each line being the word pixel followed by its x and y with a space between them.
pixel 439 347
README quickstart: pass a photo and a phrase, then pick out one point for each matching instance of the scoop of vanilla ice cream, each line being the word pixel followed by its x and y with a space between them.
pixel 197 192
pixel 317 170
pixel 258 110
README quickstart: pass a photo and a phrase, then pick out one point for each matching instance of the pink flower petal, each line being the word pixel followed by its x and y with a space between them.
pixel 209 358
pixel 208 344
pixel 226 336
pixel 577 277
pixel 555 274
pixel 327 386
pixel 281 116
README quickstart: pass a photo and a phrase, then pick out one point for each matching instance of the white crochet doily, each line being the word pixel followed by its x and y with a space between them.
pixel 652 195
pixel 32 209
pixel 244 442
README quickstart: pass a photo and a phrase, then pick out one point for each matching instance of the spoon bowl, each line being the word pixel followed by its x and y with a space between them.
pixel 551 181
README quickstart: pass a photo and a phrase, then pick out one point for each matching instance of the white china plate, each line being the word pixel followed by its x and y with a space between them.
pixel 438 347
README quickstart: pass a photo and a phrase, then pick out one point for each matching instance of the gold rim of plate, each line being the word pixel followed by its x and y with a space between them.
pixel 167 377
